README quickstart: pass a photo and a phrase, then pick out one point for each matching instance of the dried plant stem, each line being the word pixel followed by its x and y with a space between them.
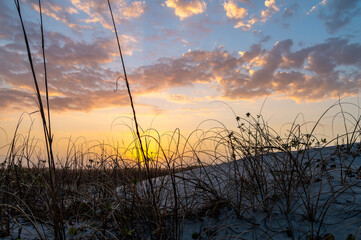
pixel 127 84
pixel 57 221
pixel 145 157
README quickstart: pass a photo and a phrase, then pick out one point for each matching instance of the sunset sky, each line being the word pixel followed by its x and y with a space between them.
pixel 183 59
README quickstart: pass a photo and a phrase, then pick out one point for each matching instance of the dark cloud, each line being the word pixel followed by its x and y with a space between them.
pixel 193 67
pixel 255 50
pixel 338 13
pixel 290 11
pixel 77 74
pixel 271 60
pixel 311 73
pixel 88 100
pixel 320 63
pixel 78 80
pixel 69 52
pixel 16 99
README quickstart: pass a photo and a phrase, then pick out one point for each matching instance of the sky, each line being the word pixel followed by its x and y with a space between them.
pixel 187 61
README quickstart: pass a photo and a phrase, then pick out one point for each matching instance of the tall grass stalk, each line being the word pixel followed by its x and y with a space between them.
pixel 57 219
pixel 143 154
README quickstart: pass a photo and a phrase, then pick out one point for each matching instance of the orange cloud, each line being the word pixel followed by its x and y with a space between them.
pixel 246 24
pixel 233 11
pixel 308 74
pixel 98 11
pixel 324 2
pixel 77 77
pixel 271 4
pixel 134 10
pixel 271 9
pixel 88 100
pixel 184 9
pixel 60 13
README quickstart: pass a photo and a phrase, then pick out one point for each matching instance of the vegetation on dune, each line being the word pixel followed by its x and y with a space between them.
pixel 99 192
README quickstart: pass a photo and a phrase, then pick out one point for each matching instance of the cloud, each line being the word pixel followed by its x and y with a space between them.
pixel 247 24
pixel 271 9
pixel 200 28
pixel 184 8
pixel 308 74
pixel 169 72
pixel 311 73
pixel 164 34
pixel 59 12
pixel 78 76
pixel 134 10
pixel 64 51
pixel 336 14
pixel 288 12
pixel 15 99
pixel 98 11
pixel 320 63
pixel 233 11
pixel 8 20
pixel 314 7
pixel 88 100
pixel 271 4
pixel 80 82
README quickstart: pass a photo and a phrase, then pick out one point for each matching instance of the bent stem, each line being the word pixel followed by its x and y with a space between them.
pixel 145 157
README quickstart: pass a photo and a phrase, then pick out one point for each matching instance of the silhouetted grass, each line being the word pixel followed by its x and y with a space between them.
pixel 102 192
